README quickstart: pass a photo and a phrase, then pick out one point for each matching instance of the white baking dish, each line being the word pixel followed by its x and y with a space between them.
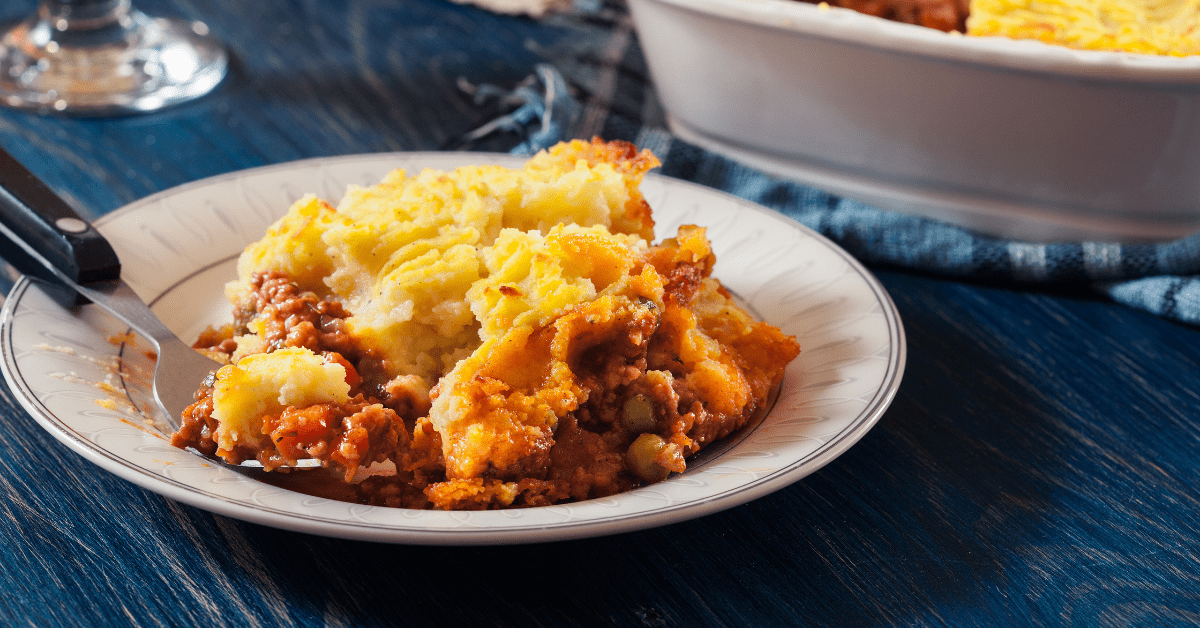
pixel 1010 138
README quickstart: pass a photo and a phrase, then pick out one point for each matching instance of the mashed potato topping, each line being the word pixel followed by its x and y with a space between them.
pixel 265 383
pixel 401 255
pixel 1163 27
pixel 494 337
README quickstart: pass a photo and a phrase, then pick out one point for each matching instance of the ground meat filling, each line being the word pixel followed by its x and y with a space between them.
pixel 944 15
pixel 197 425
pixel 590 444
pixel 294 318
pixel 348 435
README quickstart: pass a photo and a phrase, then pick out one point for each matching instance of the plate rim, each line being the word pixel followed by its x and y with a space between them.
pixel 170 488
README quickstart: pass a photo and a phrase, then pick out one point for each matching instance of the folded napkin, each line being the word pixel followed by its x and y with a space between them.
pixel 1160 278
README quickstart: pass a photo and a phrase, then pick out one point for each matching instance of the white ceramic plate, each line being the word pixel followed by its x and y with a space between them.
pixel 180 246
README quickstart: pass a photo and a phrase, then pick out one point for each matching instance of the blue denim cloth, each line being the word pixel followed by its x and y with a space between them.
pixel 1159 278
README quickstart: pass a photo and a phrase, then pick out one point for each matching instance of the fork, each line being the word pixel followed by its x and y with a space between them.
pixel 49 240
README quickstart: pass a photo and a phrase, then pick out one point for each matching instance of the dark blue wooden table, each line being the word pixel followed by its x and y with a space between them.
pixel 1039 465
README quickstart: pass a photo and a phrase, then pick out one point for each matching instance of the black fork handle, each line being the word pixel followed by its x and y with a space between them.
pixel 45 236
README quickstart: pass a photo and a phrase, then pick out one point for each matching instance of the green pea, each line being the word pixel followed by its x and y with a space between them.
pixel 638 414
pixel 641 457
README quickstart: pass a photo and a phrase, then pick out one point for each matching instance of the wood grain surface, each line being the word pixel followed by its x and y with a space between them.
pixel 1038 466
